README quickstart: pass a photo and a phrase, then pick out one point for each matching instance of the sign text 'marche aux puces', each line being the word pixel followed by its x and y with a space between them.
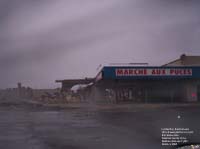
pixel 153 72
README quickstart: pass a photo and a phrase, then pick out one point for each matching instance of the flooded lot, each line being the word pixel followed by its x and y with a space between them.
pixel 93 126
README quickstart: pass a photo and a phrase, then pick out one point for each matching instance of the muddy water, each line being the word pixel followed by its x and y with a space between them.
pixel 32 127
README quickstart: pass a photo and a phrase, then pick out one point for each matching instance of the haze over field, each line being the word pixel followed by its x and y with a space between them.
pixel 45 40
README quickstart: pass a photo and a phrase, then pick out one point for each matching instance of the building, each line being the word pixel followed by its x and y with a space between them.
pixel 176 81
pixel 69 83
pixel 185 60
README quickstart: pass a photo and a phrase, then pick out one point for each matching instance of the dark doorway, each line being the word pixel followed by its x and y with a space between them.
pixel 198 93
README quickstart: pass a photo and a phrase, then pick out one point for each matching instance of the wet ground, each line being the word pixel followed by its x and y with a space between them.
pixel 93 126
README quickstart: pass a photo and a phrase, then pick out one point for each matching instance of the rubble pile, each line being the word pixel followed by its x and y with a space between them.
pixel 23 94
pixel 60 97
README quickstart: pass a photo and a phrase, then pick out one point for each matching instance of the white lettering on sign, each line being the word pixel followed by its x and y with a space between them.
pixel 153 72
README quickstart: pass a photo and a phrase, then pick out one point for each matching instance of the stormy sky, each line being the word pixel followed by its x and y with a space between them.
pixel 45 40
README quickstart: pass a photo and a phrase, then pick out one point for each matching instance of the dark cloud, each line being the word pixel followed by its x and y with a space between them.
pixel 45 40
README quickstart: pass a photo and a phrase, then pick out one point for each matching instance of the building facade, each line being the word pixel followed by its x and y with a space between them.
pixel 177 81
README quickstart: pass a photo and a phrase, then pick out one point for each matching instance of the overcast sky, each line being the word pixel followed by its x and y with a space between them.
pixel 45 40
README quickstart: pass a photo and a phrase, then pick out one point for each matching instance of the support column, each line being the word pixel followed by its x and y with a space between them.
pixel 146 96
pixel 98 94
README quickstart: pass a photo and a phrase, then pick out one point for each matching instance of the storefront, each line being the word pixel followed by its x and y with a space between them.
pixel 148 84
